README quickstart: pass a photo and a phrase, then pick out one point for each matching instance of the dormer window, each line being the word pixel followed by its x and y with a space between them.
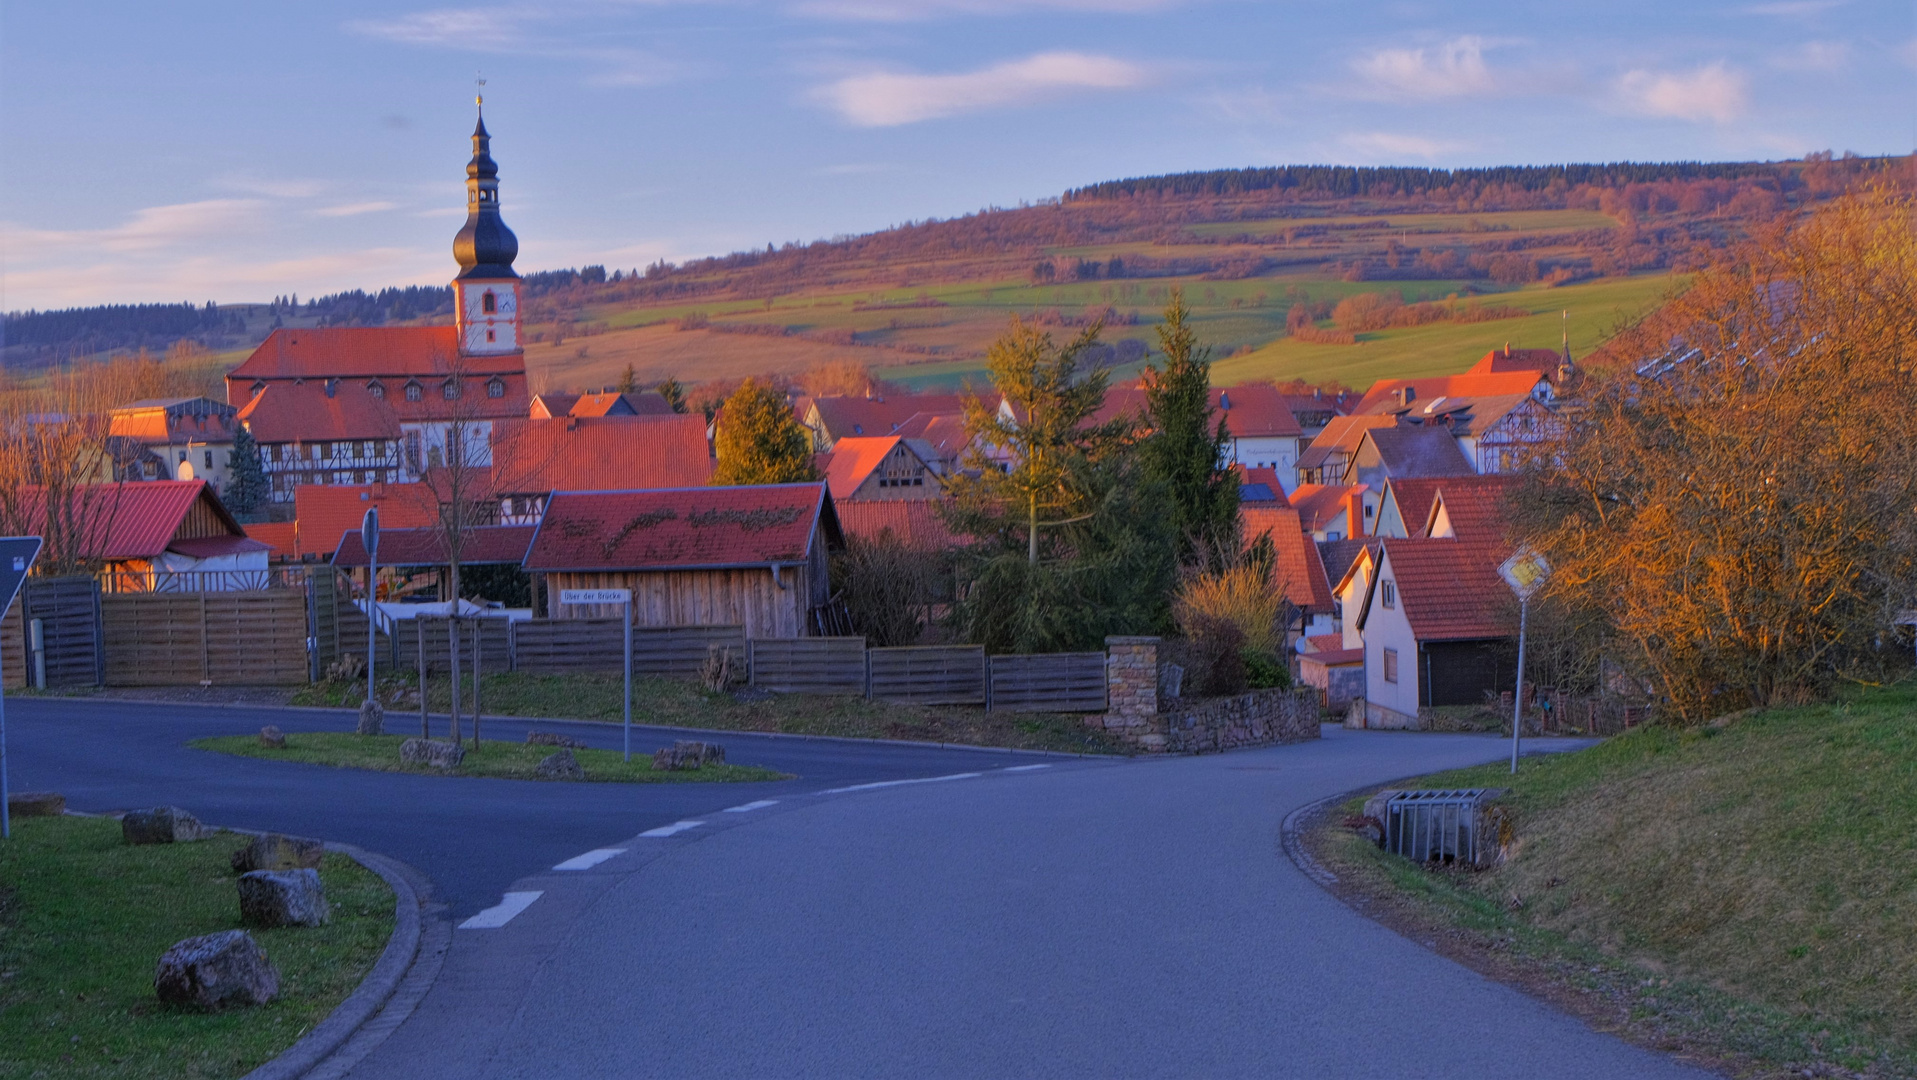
pixel 495 386
pixel 377 389
pixel 259 386
pixel 490 305
pixel 450 389
pixel 414 391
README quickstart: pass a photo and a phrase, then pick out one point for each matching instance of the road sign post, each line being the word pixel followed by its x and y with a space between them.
pixel 622 597
pixel 369 536
pixel 1525 573
pixel 16 558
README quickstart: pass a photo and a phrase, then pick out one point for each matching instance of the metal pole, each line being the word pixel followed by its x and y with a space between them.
pixel 452 663
pixel 628 680
pixel 6 820
pixel 1517 699
pixel 372 620
pixel 419 635
pixel 476 625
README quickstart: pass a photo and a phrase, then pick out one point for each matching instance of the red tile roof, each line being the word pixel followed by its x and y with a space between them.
pixel 1321 506
pixel 427 547
pixel 914 522
pixel 613 453
pixel 684 528
pixel 362 352
pixel 1342 434
pixel 1413 495
pixel 638 403
pixel 1450 589
pixel 1267 477
pixel 1500 361
pixel 1383 394
pixel 328 511
pixel 844 417
pixel 943 433
pixel 134 520
pixel 282 537
pixel 852 460
pixel 1254 410
pixel 1475 506
pixel 1299 567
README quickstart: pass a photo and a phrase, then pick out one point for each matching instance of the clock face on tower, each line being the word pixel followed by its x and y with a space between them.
pixel 489 316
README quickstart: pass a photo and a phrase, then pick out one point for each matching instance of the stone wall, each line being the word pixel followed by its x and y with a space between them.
pixel 1257 718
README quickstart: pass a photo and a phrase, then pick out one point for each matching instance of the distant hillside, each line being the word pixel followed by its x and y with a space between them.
pixel 1265 256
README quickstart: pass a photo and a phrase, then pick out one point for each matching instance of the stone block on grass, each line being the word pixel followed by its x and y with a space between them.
pixel 162 825
pixel 283 898
pixel 36 803
pixel 686 754
pixel 372 718
pixel 276 852
pixel 272 738
pixel 560 766
pixel 548 738
pixel 214 971
pixel 432 754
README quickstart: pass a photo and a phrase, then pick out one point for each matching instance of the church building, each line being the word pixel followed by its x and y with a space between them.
pixel 364 405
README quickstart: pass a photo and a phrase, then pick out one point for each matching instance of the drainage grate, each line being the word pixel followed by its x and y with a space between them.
pixel 1440 826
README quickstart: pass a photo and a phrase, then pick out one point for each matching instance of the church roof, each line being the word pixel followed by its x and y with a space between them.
pixel 361 352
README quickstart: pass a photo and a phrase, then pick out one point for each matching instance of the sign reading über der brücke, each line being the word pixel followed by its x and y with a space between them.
pixel 595 596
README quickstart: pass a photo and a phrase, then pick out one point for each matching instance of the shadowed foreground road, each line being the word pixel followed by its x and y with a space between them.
pixel 1071 920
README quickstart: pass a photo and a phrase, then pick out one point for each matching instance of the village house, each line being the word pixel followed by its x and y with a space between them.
pixel 608 403
pixel 1398 452
pixel 1334 511
pixel 832 418
pixel 1297 568
pixel 613 453
pixel 1436 624
pixel 1327 457
pixel 156 536
pixel 183 438
pixel 914 523
pixel 757 557
pixel 865 468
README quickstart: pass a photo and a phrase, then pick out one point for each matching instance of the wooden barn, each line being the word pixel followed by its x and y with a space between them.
pixel 755 556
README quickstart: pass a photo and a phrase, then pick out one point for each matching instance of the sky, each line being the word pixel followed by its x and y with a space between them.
pixel 238 151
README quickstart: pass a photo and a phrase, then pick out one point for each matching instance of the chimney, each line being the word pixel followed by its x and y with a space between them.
pixel 1507 350
pixel 1407 395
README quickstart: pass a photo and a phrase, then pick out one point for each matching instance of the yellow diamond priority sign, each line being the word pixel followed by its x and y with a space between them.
pixel 1525 572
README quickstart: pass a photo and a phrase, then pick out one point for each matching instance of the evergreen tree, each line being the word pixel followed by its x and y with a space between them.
pixel 246 484
pixel 1185 452
pixel 759 440
pixel 629 381
pixel 1072 544
pixel 675 394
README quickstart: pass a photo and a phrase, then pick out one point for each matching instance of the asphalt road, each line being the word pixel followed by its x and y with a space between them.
pixel 472 837
pixel 994 915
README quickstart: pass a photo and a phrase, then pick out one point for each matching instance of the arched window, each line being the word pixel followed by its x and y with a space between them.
pixel 496 388
pixel 413 391
pixel 489 303
pixel 450 390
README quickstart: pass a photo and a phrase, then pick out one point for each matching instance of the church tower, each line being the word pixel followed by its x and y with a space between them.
pixel 486 292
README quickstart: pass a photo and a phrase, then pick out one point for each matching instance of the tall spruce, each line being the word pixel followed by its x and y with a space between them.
pixel 1186 453
pixel 246 484
pixel 759 441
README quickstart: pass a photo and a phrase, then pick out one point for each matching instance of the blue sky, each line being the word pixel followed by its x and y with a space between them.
pixel 238 151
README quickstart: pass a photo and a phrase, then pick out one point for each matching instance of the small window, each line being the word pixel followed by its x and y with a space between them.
pixel 450 390
pixel 378 391
pixel 413 392
pixel 495 387
pixel 1391 665
pixel 1368 509
pixel 489 336
pixel 209 459
pixel 490 305
pixel 1388 593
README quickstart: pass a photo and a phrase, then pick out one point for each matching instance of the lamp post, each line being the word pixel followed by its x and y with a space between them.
pixel 1525 572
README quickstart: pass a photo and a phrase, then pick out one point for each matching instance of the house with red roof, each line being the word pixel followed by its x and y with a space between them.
pixel 326 512
pixel 1334 511
pixel 1298 568
pixel 532 458
pixel 753 556
pixel 182 438
pixel 1436 624
pixel 915 523
pixel 1389 453
pixel 608 403
pixel 832 418
pixel 159 535
pixel 1326 458
pixel 865 468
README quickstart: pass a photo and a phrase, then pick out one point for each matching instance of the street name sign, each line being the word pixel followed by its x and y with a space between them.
pixel 595 596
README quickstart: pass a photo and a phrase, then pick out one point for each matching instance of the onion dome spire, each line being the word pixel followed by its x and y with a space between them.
pixel 484 247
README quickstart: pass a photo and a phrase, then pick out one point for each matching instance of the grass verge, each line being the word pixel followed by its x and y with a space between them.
pixel 84 919
pixel 679 703
pixel 501 760
pixel 1742 894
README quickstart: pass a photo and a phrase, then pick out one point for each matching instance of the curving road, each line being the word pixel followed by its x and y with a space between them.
pixel 994 916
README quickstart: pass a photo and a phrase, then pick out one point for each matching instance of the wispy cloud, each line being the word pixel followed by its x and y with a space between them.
pixel 355 209
pixel 1455 68
pixel 922 10
pixel 223 276
pixel 887 99
pixel 516 31
pixel 1793 9
pixel 1245 105
pixel 1814 56
pixel 1713 92
pixel 863 168
pixel 150 229
pixel 1385 145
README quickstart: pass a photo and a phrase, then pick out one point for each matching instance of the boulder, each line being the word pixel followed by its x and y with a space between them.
pixel 547 738
pixel 162 825
pixel 685 754
pixel 372 718
pixel 432 754
pixel 282 898
pixel 272 738
pixel 216 970
pixel 276 852
pixel 560 766
pixel 36 803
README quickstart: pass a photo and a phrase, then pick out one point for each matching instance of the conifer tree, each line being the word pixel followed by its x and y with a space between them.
pixel 674 392
pixel 759 440
pixel 1185 452
pixel 628 381
pixel 246 484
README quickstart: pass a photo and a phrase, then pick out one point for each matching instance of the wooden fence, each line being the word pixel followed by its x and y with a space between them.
pixel 551 646
pixel 69 612
pixel 1049 682
pixel 13 646
pixel 927 675
pixel 221 639
pixel 495 645
pixel 814 665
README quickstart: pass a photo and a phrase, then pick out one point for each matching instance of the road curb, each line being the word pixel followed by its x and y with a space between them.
pixel 411 922
pixel 603 724
pixel 1291 839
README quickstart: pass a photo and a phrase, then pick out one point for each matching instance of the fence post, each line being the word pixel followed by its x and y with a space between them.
pixel 419 636
pixel 206 647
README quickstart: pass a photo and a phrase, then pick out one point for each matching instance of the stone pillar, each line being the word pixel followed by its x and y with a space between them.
pixel 1131 690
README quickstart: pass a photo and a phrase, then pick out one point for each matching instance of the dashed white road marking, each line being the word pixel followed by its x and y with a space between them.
pixel 590 859
pixel 900 783
pixel 672 829
pixel 751 806
pixel 1024 768
pixel 502 913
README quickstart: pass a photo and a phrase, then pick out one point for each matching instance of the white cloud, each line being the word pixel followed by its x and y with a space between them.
pixel 1713 92
pixel 1814 56
pixel 857 169
pixel 355 209
pixel 515 31
pixel 1794 9
pixel 1454 69
pixel 1385 145
pixel 921 10
pixel 221 276
pixel 474 29
pixel 147 230
pixel 887 99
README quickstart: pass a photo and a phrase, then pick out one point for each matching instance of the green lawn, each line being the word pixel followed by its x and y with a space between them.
pixel 503 760
pixel 1764 874
pixel 682 703
pixel 84 919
